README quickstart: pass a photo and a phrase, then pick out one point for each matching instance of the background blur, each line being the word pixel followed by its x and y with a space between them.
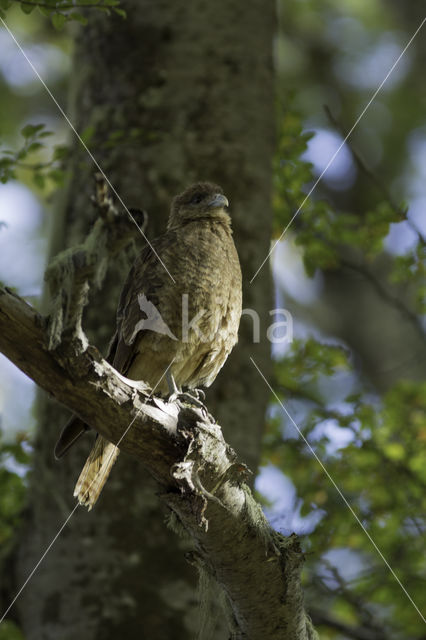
pixel 350 269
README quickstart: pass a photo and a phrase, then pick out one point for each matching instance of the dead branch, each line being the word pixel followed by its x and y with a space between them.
pixel 201 479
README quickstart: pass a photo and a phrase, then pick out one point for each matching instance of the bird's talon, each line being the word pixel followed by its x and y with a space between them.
pixel 199 394
pixel 185 396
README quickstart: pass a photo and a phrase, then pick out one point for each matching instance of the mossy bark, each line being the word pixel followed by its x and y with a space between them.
pixel 177 92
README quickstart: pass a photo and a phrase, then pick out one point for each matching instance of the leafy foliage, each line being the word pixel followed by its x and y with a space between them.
pixel 9 631
pixel 381 472
pixel 13 489
pixel 321 230
pixel 412 267
pixel 62 11
pixel 11 161
pixel 372 446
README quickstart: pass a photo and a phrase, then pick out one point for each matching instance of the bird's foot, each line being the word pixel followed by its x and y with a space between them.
pixel 193 398
pixel 198 394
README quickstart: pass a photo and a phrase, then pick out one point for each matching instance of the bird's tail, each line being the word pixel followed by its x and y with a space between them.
pixel 95 472
pixel 70 434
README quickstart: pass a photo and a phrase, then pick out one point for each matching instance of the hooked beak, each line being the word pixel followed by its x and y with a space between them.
pixel 218 201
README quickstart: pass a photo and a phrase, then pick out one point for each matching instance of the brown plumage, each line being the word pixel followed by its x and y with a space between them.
pixel 152 335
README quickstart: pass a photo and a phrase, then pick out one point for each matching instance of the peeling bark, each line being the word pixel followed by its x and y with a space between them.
pixel 201 479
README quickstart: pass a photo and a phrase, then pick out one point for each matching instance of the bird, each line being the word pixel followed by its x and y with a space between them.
pixel 177 318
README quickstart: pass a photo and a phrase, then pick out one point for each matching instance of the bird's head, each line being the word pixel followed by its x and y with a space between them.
pixel 202 200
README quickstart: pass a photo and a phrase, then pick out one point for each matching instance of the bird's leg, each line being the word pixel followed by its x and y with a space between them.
pixel 173 388
pixel 178 394
pixel 193 397
pixel 198 397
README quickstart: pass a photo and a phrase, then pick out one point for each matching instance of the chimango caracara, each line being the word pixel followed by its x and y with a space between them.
pixel 172 334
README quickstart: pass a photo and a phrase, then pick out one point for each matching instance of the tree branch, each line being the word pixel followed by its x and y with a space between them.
pixel 73 271
pixel 202 482
pixel 321 617
pixel 386 295
pixel 374 179
pixel 63 7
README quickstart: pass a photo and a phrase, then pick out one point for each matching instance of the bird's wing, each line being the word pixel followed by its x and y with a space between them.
pixel 147 277
pixel 141 298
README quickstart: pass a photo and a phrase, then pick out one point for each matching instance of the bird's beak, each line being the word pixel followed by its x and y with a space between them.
pixel 218 201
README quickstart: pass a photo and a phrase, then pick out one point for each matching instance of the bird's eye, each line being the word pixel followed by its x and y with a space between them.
pixel 196 199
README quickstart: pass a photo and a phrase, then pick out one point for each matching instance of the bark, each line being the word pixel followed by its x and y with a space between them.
pixel 177 92
pixel 200 477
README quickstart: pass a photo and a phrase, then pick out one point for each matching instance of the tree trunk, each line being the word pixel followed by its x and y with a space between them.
pixel 175 93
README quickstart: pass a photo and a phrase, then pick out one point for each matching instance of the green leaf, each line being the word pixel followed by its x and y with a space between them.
pixel 27 8
pixel 46 11
pixel 31 129
pixel 17 451
pixel 5 176
pixel 120 12
pixel 394 450
pixel 21 154
pixel 58 20
pixel 39 180
pixel 57 176
pixel 6 162
pixel 10 631
pixel 5 4
pixel 78 17
pixel 34 146
pixel 60 152
pixel 87 134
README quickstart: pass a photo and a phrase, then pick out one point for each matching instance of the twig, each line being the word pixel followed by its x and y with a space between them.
pixel 385 295
pixel 380 186
pixel 321 617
